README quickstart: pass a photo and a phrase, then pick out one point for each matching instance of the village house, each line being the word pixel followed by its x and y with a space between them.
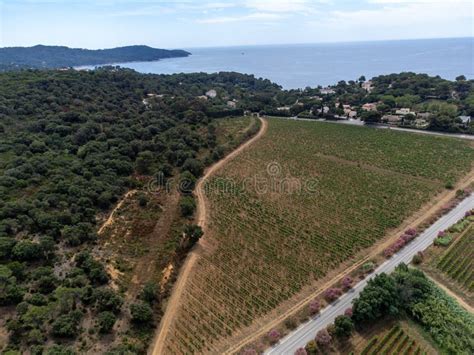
pixel 231 104
pixel 403 111
pixel 423 115
pixel 283 108
pixel 391 119
pixel 327 91
pixel 211 93
pixel 465 119
pixel 202 97
pixel 367 86
pixel 352 114
pixel 372 106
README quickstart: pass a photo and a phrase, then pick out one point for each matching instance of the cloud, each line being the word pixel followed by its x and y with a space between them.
pixel 386 19
pixel 244 18
pixel 285 6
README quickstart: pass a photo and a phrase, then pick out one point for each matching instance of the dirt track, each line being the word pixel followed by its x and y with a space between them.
pixel 201 219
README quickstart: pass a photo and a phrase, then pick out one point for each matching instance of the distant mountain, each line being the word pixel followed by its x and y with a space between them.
pixel 59 57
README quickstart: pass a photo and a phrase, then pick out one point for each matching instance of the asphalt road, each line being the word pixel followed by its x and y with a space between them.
pixel 308 330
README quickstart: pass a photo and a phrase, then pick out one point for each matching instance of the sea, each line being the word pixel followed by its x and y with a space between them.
pixel 303 65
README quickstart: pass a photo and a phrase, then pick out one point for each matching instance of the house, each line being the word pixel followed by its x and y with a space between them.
pixel 324 110
pixel 327 91
pixel 403 111
pixel 391 119
pixel 370 106
pixel 231 104
pixel 423 115
pixel 283 108
pixel 211 93
pixel 465 119
pixel 367 86
pixel 352 114
pixel 202 97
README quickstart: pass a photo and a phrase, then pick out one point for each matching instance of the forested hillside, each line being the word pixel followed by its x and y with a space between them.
pixel 59 57
pixel 72 143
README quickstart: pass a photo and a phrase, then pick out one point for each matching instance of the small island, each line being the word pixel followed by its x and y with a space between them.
pixel 50 57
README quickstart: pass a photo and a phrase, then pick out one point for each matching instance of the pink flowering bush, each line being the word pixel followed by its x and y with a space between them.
pixel 348 312
pixel 332 294
pixel 411 231
pixel 441 234
pixel 323 338
pixel 468 213
pixel 347 283
pixel 314 306
pixel 274 335
pixel 301 351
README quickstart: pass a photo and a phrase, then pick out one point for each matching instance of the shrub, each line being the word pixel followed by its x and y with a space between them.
pixel 149 292
pixel 187 206
pixel 311 347
pixel 105 322
pixel 418 258
pixel 332 294
pixel 141 313
pixel 273 336
pixel 314 306
pixel 343 326
pixel 290 323
pixel 323 338
pixel 347 283
pixel 66 326
pixel 348 312
pixel 301 351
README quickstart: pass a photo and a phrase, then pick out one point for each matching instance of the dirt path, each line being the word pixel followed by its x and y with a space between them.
pixel 253 333
pixel 110 220
pixel 202 214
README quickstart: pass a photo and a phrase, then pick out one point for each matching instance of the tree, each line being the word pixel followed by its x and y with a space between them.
pixel 379 298
pixel 187 206
pixel 149 292
pixel 461 78
pixel 187 182
pixel 194 166
pixel 141 313
pixel 323 338
pixel 66 326
pixel 332 294
pixel 343 326
pixel 370 117
pixel 193 233
pixel 362 79
pixel 105 322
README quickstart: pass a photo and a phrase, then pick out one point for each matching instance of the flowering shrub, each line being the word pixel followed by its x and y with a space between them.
pixel 274 335
pixel 314 306
pixel 347 283
pixel 323 338
pixel 468 213
pixel 348 312
pixel 332 294
pixel 301 351
pixel 404 239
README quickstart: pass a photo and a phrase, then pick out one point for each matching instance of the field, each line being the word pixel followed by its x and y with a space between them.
pixel 458 262
pixel 452 264
pixel 396 341
pixel 302 200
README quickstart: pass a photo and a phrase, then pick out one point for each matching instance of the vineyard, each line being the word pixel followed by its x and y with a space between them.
pixel 303 199
pixel 396 341
pixel 457 263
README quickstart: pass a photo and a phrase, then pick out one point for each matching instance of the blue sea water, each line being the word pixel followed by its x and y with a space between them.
pixel 298 66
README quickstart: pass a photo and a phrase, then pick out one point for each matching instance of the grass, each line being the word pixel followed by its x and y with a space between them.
pixel 305 198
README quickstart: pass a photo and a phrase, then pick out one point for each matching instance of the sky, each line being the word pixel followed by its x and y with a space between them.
pixel 208 23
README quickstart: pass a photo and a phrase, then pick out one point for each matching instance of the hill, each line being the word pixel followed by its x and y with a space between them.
pixel 59 56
